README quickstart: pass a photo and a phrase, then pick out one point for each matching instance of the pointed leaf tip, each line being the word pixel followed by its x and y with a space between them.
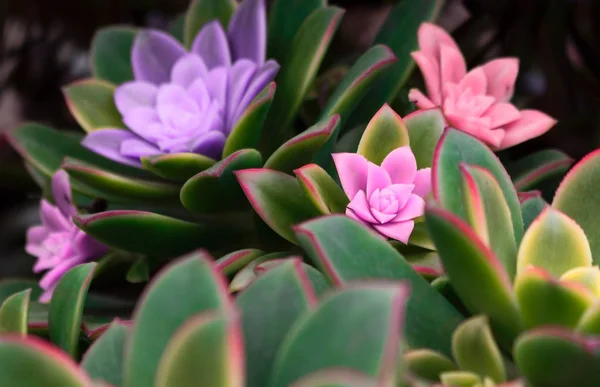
pixel 385 132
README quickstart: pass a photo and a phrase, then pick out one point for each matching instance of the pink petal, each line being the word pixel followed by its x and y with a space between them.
pixel 452 65
pixel 400 230
pixel 501 75
pixel 415 207
pixel 361 207
pixel 135 94
pixel 476 128
pixel 422 182
pixel 532 123
pixel 350 213
pixel 431 37
pixel 374 199
pixel 35 236
pixel 501 114
pixel 381 217
pixel 419 99
pixel 377 177
pixel 401 165
pixel 61 192
pixel 476 81
pixel 188 69
pixel 352 170
pixel 88 247
pixel 431 75
pixel 402 192
pixel 53 218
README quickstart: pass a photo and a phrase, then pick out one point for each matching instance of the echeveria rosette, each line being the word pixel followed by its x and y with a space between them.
pixel 189 101
pixel 57 243
pixel 386 198
pixel 476 102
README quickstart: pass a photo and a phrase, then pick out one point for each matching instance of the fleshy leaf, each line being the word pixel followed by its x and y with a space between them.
pixel 377 308
pixel 201 12
pixel 460 379
pixel 111 53
pixel 428 364
pixel 579 192
pixel 430 319
pixel 104 359
pixel 177 166
pixel 555 243
pixel 188 286
pixel 66 307
pixel 533 171
pixel 336 377
pixel 139 271
pixel 216 189
pixel 277 198
pixel 386 131
pixel 425 127
pixel 14 313
pixel 232 263
pixel 248 274
pixel 326 195
pixel 91 102
pixel 589 323
pixel 588 277
pixel 531 208
pixel 269 307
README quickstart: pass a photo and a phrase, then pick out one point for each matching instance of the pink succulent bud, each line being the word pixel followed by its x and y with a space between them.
pixel 388 197
pixel 475 102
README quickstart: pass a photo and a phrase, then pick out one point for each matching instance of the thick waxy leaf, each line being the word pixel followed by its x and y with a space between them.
pixel 456 147
pixel 14 312
pixel 139 271
pixel 302 149
pixel 91 102
pixel 543 300
pixel 488 214
pixel 230 264
pixel 66 307
pixel 103 361
pixel 247 130
pixel 556 357
pixel 153 234
pixel 201 12
pixel 207 350
pixel 475 350
pixel 216 189
pixel 588 277
pixel 430 319
pixel 325 194
pixel 33 362
pixel 466 257
pixel 589 324
pixel 578 193
pixel 189 286
pixel 277 198
pixel 336 377
pixel 285 18
pixel 376 308
pixel 531 208
pixel 385 132
pixel 177 166
pixel 425 127
pixel 428 364
pixel 460 379
pixel 399 33
pixel 269 307
pixel 298 72
pixel 111 53
pixel 248 273
pixel 532 171
pixel 555 243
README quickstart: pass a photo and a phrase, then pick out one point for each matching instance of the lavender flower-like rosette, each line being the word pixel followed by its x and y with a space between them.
pixel 189 101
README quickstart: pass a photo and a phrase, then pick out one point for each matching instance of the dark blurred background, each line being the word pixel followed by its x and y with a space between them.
pixel 44 45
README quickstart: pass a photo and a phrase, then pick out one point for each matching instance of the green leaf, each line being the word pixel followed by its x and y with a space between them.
pixel 277 198
pixel 66 307
pixel 555 243
pixel 91 102
pixel 177 26
pixel 537 168
pixel 556 357
pixel 232 263
pixel 460 379
pixel 428 364
pixel 588 277
pixel 336 377
pixel 475 349
pixel 248 128
pixel 104 359
pixel 376 308
pixel 33 362
pixel 589 323
pixel 300 68
pixel 216 189
pixel 385 132
pixel 11 286
pixel 177 166
pixel 138 272
pixel 578 197
pixel 425 127
pixel 14 313
pixel 201 12
pixel 188 286
pixel 456 147
pixel 111 54
pixel 325 194
pixel 345 251
pixel 205 351
pixel 302 149
pixel 269 307
pixel 248 274
pixel 465 257
pixel 531 208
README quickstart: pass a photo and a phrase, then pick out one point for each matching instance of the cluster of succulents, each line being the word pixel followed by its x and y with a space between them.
pixel 291 236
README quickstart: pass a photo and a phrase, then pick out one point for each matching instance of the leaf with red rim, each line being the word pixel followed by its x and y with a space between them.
pixel 579 198
pixel 103 361
pixel 269 307
pixel 476 274
pixel 91 102
pixel 336 377
pixel 425 127
pixel 188 286
pixel 377 308
pixel 346 251
pixel 14 313
pixel 321 189
pixel 111 54
pixel 177 166
pixel 538 168
pixel 247 274
pixel 385 132
pixel 232 263
pixel 216 189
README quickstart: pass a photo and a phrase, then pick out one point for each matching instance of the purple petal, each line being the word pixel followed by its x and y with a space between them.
pixel 361 207
pixel 107 142
pixel 400 231
pixel 153 56
pixel 132 95
pixel 145 123
pixel 53 218
pixel 51 278
pixel 212 46
pixel 199 93
pixel 401 165
pixel 352 169
pixel 61 192
pixel 136 148
pixel 377 177
pixel 239 78
pixel 211 144
pixel 175 108
pixel 188 69
pixel 261 79
pixel 247 31
pixel 217 85
pixel 87 246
